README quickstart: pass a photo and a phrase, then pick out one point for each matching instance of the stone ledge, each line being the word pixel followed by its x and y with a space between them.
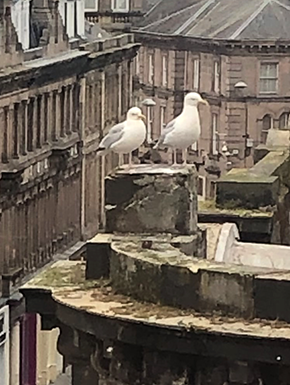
pixel 240 188
pixel 94 308
pixel 99 248
pixel 165 275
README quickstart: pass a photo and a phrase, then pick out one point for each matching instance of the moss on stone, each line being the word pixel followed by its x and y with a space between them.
pixel 229 209
pixel 69 275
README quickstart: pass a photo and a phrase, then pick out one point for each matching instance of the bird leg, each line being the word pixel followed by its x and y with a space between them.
pixel 120 156
pixel 130 159
pixel 174 157
pixel 184 157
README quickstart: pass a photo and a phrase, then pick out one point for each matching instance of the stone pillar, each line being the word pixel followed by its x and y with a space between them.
pixel 152 200
pixel 10 133
pixel 69 112
pixel 54 111
pixel 46 117
pixel 35 123
pixel 39 126
pixel 23 127
pixel 78 349
pixel 4 134
pixel 119 91
pixel 16 131
pixel 92 109
pixel 63 111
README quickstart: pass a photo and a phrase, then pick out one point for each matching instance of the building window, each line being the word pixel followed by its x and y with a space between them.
pixel 216 79
pixel 212 192
pixel 162 117
pixel 91 5
pixel 196 74
pixel 149 124
pixel 269 78
pixel 284 121
pixel 120 5
pixel 20 19
pixel 137 64
pixel 164 71
pixel 151 69
pixel 215 137
pixel 201 187
pixel 267 124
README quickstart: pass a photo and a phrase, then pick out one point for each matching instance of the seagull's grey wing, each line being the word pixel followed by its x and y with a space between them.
pixel 113 136
pixel 165 131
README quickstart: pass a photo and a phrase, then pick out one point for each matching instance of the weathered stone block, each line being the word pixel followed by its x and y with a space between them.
pixel 98 258
pixel 152 199
pixel 227 292
pixel 240 188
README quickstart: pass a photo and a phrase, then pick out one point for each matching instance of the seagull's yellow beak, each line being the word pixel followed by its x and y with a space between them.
pixel 203 101
pixel 143 117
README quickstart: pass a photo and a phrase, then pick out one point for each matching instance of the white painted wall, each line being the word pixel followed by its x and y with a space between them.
pixel 15 354
pixel 71 11
pixel 4 346
pixel 20 19
pixel 49 361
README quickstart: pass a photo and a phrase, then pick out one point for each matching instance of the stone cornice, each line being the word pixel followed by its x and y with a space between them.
pixel 218 46
pixel 97 55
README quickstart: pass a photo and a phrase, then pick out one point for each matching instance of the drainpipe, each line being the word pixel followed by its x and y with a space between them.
pixel 103 161
pixel 82 135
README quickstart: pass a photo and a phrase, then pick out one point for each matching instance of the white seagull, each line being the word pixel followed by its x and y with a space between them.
pixel 184 130
pixel 125 137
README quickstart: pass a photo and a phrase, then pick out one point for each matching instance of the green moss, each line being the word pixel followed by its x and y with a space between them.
pixel 210 206
pixel 67 276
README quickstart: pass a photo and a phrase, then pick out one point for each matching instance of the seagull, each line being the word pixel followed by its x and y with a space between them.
pixel 184 130
pixel 125 137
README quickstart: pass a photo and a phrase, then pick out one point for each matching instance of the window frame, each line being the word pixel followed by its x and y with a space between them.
pixel 216 77
pixel 149 124
pixel 264 132
pixel 196 74
pixel 165 71
pixel 162 117
pixel 265 78
pixel 92 9
pixel 137 64
pixel 214 135
pixel 203 181
pixel 151 68
pixel 285 127
pixel 116 8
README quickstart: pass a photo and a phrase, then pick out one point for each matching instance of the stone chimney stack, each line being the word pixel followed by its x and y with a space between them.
pixel 152 200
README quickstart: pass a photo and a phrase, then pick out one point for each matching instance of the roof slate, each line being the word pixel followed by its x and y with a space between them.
pixel 221 19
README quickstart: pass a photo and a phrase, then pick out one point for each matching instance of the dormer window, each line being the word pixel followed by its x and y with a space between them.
pixel 120 5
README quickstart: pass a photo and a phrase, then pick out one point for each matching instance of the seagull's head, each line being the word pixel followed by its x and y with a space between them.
pixel 194 99
pixel 135 114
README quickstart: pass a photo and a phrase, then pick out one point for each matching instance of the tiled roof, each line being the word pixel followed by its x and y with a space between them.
pixel 221 19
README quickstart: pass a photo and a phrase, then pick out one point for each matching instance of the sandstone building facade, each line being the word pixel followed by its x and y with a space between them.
pixel 238 63
pixel 58 97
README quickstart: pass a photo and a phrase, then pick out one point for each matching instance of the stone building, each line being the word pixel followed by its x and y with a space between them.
pixel 115 15
pixel 59 94
pixel 155 304
pixel 236 54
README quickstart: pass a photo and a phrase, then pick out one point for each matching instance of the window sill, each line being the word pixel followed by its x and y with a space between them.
pixel 272 93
